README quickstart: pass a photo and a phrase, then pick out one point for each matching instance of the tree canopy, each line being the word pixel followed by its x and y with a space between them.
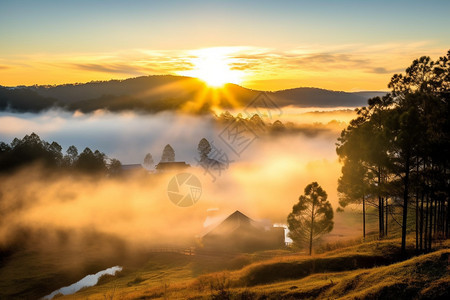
pixel 204 148
pixel 395 154
pixel 148 160
pixel 31 150
pixel 168 154
pixel 311 217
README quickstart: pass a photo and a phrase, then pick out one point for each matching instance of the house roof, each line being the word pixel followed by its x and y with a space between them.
pixel 130 167
pixel 233 222
pixel 172 165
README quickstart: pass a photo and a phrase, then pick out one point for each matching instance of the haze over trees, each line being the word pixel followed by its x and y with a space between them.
pixel 148 160
pixel 32 150
pixel 24 100
pixel 311 217
pixel 395 154
pixel 91 161
pixel 204 148
pixel 168 154
pixel 257 125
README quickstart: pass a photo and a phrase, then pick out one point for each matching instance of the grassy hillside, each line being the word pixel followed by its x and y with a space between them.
pixel 423 277
pixel 367 271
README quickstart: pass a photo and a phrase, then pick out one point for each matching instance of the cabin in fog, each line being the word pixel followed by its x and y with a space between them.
pixel 171 165
pixel 132 169
pixel 239 233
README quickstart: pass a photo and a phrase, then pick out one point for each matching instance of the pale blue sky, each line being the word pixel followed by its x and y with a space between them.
pixel 55 26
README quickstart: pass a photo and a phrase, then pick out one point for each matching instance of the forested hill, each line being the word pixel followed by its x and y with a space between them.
pixel 163 92
pixel 314 97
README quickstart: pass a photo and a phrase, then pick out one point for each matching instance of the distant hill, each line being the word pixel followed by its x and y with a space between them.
pixel 370 94
pixel 163 92
pixel 314 97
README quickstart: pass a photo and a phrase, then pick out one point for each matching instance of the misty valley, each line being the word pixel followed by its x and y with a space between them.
pixel 80 208
pixel 211 203
pixel 224 150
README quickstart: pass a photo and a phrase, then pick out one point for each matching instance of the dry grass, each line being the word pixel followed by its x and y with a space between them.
pixel 365 271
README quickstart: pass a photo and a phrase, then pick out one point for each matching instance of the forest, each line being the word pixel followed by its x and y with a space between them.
pixel 23 153
pixel 395 154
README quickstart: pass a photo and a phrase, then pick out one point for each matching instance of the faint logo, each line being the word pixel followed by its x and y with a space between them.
pixel 215 163
pixel 238 136
pixel 263 106
pixel 184 189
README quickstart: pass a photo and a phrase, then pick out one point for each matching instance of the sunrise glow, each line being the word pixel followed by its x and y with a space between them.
pixel 219 149
pixel 213 66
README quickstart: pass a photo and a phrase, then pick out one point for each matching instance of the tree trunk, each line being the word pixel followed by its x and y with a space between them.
pixel 421 222
pixel 427 209
pixel 380 217
pixel 430 225
pixel 439 218
pixel 312 228
pixel 380 207
pixel 417 204
pixel 417 218
pixel 405 206
pixel 447 209
pixel 436 204
pixel 364 219
pixel 448 218
pixel 386 219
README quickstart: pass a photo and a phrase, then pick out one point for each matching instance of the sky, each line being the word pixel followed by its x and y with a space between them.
pixel 271 45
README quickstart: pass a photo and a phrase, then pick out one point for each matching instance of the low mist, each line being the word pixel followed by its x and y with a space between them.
pixel 264 181
pixel 75 224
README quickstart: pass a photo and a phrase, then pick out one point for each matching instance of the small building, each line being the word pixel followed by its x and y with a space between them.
pixel 171 165
pixel 239 233
pixel 132 168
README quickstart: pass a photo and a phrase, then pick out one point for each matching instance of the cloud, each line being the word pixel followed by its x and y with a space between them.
pixel 381 70
pixel 110 68
pixel 327 61
pixel 327 65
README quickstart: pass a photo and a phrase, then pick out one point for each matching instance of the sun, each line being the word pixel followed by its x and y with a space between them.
pixel 212 65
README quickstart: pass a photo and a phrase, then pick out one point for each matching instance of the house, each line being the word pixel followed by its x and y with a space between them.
pixel 133 168
pixel 239 233
pixel 171 165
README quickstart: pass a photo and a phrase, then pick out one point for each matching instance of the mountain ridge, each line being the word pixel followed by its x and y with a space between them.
pixel 156 93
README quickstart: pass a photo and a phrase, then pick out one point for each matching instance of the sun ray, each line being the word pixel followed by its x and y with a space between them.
pixel 212 65
pixel 198 101
pixel 230 98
